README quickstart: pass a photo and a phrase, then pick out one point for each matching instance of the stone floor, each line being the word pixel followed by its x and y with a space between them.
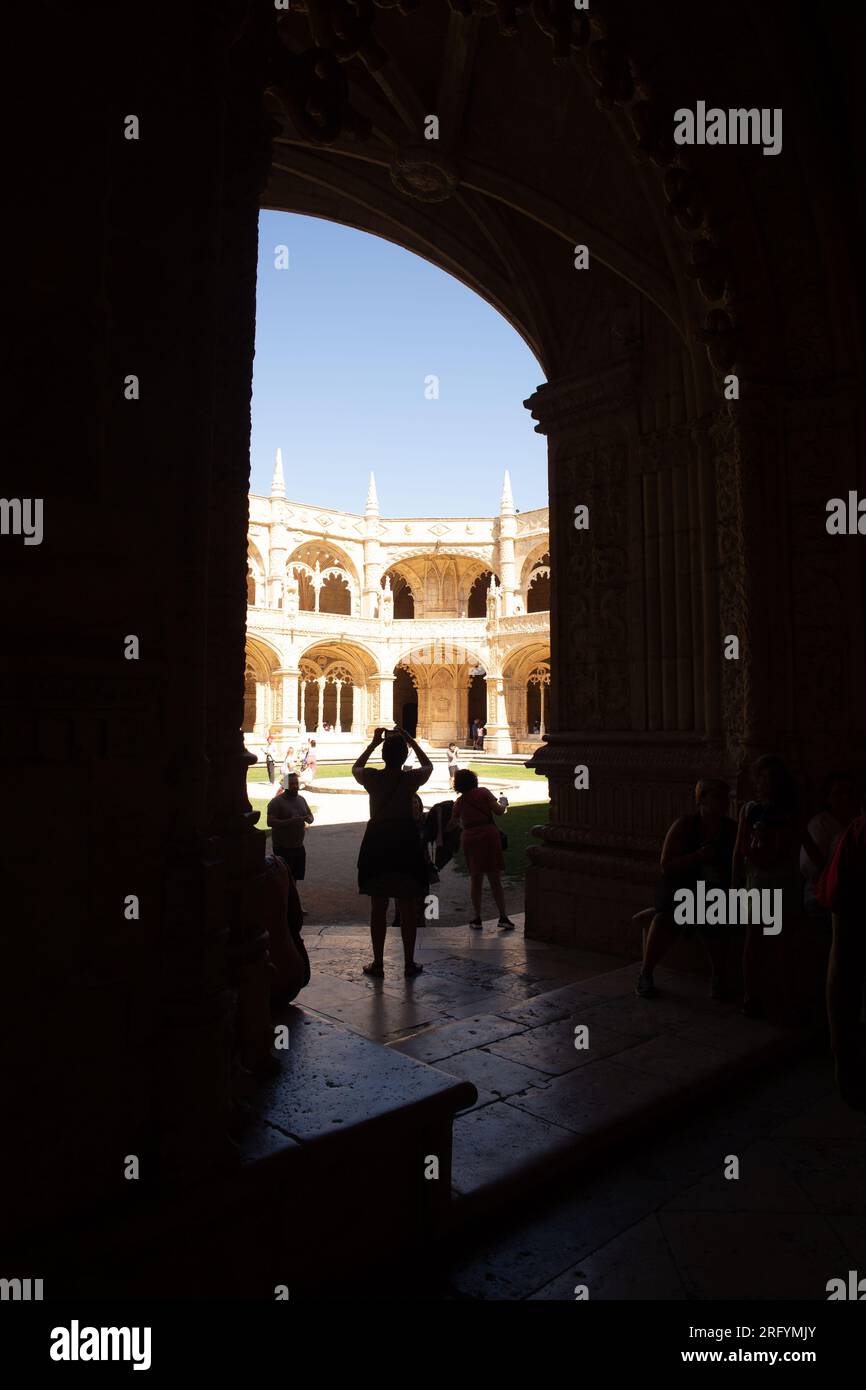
pixel 502 1012
pixel 663 1222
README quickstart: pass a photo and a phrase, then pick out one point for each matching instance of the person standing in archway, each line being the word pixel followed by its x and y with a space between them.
pixel 391 861
pixel 453 763
pixel 474 811
pixel 270 752
pixel 309 765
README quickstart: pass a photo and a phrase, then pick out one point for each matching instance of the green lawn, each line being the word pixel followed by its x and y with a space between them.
pixel 503 772
pixel 517 824
pixel 500 772
pixel 259 774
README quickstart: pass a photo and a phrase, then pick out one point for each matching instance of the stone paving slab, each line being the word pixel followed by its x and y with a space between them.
pixel 501 1012
pixel 753 1255
pixel 635 1265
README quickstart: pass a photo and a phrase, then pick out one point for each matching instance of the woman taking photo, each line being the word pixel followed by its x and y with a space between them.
pixel 391 861
pixel 474 811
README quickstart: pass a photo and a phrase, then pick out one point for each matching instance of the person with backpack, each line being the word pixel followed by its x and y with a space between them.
pixel 474 811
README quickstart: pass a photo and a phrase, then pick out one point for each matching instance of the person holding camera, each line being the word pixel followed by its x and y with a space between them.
pixel 698 846
pixel 392 862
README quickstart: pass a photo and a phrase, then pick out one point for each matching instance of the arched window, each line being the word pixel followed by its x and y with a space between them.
pixel 251 588
pixel 537 685
pixel 477 605
pixel 404 599
pixel 335 595
pixel 538 593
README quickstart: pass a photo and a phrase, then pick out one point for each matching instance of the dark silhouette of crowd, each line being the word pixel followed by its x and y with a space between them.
pixel 808 967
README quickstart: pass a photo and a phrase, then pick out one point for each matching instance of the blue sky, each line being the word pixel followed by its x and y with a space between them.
pixel 345 338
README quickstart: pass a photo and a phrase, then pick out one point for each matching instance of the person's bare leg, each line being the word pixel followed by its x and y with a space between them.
pixel 408 928
pixel 498 896
pixel 378 930
pixel 476 884
pixel 752 1001
pixel 716 947
pixel 659 940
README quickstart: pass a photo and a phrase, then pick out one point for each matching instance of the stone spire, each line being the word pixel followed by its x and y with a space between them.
pixel 372 507
pixel 506 504
pixel 278 482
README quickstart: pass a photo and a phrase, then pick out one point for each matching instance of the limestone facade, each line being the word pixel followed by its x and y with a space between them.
pixel 359 620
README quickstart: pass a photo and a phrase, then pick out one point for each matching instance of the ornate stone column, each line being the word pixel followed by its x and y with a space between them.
pixel 498 736
pixel 289 724
pixel 630 587
pixel 380 713
pixel 321 715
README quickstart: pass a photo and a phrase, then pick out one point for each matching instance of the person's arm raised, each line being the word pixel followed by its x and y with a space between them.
pixel 422 756
pixel 361 762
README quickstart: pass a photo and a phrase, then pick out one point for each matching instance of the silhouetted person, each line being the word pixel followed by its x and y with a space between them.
pixel 453 763
pixel 419 819
pixel 697 847
pixel 391 861
pixel 474 810
pixel 310 763
pixel 288 816
pixel 269 758
pixel 827 826
pixel 842 889
pixel 769 836
pixel 290 966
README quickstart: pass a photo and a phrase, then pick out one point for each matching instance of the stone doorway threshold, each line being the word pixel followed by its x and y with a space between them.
pixel 502 1012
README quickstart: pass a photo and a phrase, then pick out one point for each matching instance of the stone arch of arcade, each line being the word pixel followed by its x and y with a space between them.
pixel 326 579
pixel 257 572
pixel 535 580
pixel 634 408
pixel 335 687
pixel 526 687
pixel 440 683
pixel 439 585
pixel 261 689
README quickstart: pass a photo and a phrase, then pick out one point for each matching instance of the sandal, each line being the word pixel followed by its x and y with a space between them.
pixel 476 923
pixel 377 971
pixel 413 968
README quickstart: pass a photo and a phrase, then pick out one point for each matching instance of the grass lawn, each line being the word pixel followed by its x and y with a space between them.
pixel 260 774
pixel 517 824
pixel 500 772
pixel 504 772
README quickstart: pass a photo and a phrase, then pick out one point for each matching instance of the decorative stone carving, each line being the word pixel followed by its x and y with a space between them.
pixel 423 174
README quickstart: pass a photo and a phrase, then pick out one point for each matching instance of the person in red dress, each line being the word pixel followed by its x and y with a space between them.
pixel 474 811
